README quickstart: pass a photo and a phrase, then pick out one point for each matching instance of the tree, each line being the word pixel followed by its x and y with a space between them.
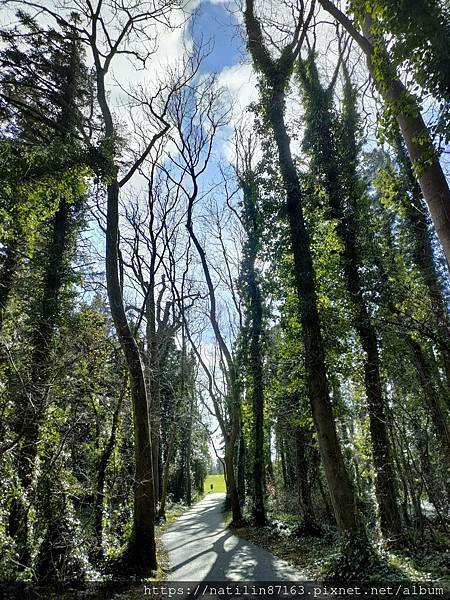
pixel 403 106
pixel 253 330
pixel 106 41
pixel 197 118
pixel 276 74
pixel 334 153
pixel 62 64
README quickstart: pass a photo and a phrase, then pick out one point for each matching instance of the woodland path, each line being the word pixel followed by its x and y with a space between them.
pixel 201 548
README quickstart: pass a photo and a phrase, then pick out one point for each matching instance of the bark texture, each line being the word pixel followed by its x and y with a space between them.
pixel 141 553
pixel 341 184
pixel 32 403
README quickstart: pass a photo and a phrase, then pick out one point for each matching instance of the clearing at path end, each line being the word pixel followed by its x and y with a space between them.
pixel 201 548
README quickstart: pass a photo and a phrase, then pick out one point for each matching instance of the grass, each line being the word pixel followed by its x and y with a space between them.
pixel 218 482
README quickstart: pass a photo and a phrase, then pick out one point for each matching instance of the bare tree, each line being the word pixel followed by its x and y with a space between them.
pixel 153 231
pixel 197 114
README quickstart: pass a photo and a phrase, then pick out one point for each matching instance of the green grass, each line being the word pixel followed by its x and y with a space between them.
pixel 218 481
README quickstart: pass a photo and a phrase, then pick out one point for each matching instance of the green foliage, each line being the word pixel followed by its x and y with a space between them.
pixel 421 51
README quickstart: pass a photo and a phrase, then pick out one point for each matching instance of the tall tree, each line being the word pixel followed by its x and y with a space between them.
pixel 106 41
pixel 276 74
pixel 59 65
pixel 334 151
pixel 197 120
pixel 253 329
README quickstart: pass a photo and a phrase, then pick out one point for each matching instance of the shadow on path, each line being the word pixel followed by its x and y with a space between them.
pixel 201 549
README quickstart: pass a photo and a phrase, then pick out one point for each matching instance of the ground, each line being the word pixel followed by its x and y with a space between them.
pixel 202 548
pixel 314 555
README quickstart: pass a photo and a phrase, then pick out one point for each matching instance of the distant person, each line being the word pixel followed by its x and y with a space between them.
pixel 211 487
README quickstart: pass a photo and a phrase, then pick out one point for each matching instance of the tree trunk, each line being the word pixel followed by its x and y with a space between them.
pixel 231 430
pixel 241 468
pixel 338 480
pixel 141 553
pixel 153 379
pixel 284 471
pixel 401 476
pixel 269 478
pixel 341 185
pixel 255 315
pixel 31 408
pixel 303 484
pixel 8 268
pixel 101 474
pixel 230 481
pixel 165 477
pixel 437 412
pixel 390 521
pixel 424 258
pixel 427 167
pixel 258 510
pixel 189 452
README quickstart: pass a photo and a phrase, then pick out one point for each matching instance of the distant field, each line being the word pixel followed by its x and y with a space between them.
pixel 217 480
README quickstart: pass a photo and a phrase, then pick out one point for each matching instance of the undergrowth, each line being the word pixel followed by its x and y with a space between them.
pixel 324 557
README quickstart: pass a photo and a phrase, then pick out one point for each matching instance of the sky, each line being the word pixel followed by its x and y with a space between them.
pixel 215 24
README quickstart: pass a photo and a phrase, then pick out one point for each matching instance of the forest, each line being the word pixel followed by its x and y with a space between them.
pixel 224 247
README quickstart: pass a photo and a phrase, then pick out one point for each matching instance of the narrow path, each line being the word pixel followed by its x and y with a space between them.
pixel 201 549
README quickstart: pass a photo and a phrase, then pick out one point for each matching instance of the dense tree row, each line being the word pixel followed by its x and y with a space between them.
pixel 288 310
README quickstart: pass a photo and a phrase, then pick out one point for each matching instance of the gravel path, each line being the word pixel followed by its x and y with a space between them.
pixel 201 549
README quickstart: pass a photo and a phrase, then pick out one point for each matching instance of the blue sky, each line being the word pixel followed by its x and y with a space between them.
pixel 216 25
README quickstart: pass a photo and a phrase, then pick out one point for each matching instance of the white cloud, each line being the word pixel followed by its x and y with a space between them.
pixel 240 80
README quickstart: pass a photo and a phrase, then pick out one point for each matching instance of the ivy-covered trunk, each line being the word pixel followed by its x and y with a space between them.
pixel 254 318
pixel 153 378
pixel 101 473
pixel 166 468
pixel 31 404
pixel 303 483
pixel 7 269
pixel 422 249
pixel 231 484
pixel 333 148
pixel 241 463
pixel 189 452
pixel 341 490
pixel 437 411
pixel 390 521
pixel 404 106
